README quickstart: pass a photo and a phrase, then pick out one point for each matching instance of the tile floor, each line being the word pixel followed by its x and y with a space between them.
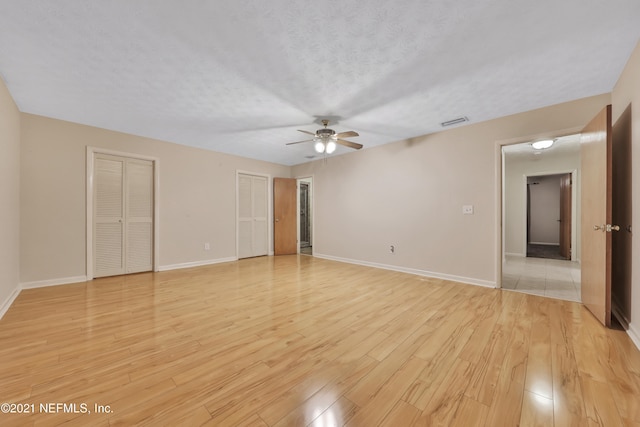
pixel 547 277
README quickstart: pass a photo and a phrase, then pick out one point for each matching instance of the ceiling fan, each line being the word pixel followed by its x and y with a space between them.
pixel 326 139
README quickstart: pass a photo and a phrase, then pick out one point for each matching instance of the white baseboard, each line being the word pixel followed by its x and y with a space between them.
pixel 467 280
pixel 544 243
pixel 634 334
pixel 195 263
pixel 53 282
pixel 4 307
pixel 515 254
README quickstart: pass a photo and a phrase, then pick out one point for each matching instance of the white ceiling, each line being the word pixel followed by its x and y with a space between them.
pixel 241 76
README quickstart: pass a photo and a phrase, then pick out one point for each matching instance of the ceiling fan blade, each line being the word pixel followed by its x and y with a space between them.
pixel 347 134
pixel 299 142
pixel 349 144
pixel 307 132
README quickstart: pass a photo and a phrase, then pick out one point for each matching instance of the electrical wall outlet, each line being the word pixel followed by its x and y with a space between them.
pixel 207 246
pixel 467 209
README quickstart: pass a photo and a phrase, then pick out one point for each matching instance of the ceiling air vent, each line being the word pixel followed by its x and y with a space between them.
pixel 454 121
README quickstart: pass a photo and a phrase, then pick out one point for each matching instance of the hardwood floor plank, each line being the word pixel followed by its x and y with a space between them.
pixel 376 409
pixel 539 378
pixel 332 382
pixel 537 411
pixel 622 382
pixel 402 414
pixel 470 413
pixel 277 341
pixel 371 384
pixel 448 396
pixel 506 405
pixel 600 406
pixel 337 414
pixel 568 402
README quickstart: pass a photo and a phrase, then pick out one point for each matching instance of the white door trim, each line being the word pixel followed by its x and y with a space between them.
pixel 308 179
pixel 499 187
pixel 91 154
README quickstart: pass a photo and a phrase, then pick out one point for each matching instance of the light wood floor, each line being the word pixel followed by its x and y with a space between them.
pixel 295 341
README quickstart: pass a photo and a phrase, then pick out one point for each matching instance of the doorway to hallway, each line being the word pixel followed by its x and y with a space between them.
pixel 305 228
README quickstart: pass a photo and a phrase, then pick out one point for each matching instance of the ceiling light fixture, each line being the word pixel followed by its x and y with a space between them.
pixel 541 145
pixel 325 144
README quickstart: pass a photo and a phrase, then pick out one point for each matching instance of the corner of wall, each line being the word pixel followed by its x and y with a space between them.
pixel 10 143
pixel 634 334
pixel 4 307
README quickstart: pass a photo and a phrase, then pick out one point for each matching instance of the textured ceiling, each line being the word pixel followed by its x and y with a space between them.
pixel 241 76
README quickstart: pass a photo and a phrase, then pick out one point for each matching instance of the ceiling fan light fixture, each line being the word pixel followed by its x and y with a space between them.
pixel 331 147
pixel 541 145
pixel 319 146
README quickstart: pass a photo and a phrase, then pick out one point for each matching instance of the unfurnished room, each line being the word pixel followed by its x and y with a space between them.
pixel 330 213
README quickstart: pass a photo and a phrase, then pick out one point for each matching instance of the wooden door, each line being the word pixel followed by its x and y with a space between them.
pixel 284 216
pixel 565 215
pixel 621 212
pixel 596 169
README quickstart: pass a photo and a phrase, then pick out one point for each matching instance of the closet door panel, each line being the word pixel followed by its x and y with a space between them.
pixel 109 217
pixel 139 203
pixel 245 218
pixel 260 208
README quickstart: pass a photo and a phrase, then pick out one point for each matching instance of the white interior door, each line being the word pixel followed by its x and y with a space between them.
pixel 123 215
pixel 253 211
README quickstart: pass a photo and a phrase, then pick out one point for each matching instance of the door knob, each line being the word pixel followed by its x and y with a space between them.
pixel 598 227
pixel 277 219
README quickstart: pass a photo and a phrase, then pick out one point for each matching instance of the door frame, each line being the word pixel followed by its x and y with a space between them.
pixel 308 179
pixel 269 209
pixel 500 184
pixel 574 201
pixel 91 155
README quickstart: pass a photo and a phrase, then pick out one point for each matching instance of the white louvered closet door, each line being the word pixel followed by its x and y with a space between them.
pixel 123 215
pixel 252 216
pixel 108 223
pixel 260 208
pixel 139 218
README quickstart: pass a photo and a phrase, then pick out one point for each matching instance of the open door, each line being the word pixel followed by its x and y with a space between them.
pixel 285 216
pixel 596 164
pixel 565 216
pixel 622 213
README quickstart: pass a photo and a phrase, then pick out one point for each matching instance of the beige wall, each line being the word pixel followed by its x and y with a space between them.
pixel 410 194
pixel 515 194
pixel 197 197
pixel 9 198
pixel 625 92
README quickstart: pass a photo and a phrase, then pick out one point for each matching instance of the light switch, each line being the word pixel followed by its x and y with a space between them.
pixel 467 209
